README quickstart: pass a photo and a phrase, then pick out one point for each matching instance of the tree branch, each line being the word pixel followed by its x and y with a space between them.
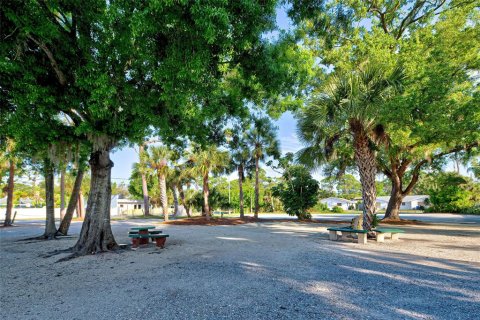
pixel 61 76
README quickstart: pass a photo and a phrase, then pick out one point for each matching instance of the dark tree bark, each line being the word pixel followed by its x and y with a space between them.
pixel 184 203
pixel 96 234
pixel 146 198
pixel 206 194
pixel 240 188
pixel 257 188
pixel 72 204
pixel 50 228
pixel 62 194
pixel 11 186
pixel 366 162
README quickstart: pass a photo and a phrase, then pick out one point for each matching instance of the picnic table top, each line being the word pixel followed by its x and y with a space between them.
pixel 346 229
pixel 142 228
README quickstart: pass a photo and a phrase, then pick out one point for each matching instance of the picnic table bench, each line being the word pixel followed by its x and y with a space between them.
pixel 381 232
pixel 362 234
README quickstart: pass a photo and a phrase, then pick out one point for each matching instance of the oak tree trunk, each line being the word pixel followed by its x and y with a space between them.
pixel 396 198
pixel 11 186
pixel 72 204
pixel 96 234
pixel 240 188
pixel 366 162
pixel 162 183
pixel 50 228
pixel 206 194
pixel 62 194
pixel 257 187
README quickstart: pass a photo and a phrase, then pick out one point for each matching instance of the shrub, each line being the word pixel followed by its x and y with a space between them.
pixel 338 210
pixel 298 192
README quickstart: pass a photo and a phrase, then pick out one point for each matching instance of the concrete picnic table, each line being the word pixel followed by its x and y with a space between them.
pixel 143 230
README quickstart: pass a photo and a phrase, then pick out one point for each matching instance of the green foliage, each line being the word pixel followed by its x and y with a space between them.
pixel 376 221
pixel 321 207
pixel 298 191
pixel 337 209
pixel 453 193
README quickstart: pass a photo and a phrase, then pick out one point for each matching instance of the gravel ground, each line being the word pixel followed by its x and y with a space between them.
pixel 254 271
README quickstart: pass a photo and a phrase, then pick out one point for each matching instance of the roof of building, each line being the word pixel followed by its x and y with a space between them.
pixel 420 197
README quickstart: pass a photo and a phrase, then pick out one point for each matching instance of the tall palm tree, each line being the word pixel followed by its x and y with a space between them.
pixel 263 142
pixel 240 154
pixel 345 112
pixel 206 161
pixel 158 158
pixel 143 170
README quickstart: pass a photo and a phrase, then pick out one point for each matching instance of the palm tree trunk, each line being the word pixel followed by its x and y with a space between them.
pixel 72 203
pixel 175 199
pixel 80 208
pixel 366 162
pixel 162 183
pixel 257 187
pixel 184 203
pixel 62 194
pixel 96 234
pixel 11 186
pixel 240 188
pixel 146 198
pixel 206 193
pixel 50 228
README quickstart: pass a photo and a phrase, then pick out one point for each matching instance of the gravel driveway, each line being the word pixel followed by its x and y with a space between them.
pixel 282 270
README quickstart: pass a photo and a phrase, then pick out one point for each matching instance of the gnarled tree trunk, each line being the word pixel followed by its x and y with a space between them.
pixel 96 234
pixel 206 194
pixel 240 188
pixel 11 186
pixel 366 162
pixel 257 188
pixel 72 203
pixel 162 183
pixel 50 228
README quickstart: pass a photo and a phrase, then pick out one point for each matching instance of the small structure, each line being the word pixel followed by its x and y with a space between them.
pixel 122 206
pixel 332 202
pixel 413 202
pixel 3 202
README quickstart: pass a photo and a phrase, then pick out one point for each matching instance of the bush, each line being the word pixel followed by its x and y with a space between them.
pixel 298 192
pixel 321 207
pixel 338 210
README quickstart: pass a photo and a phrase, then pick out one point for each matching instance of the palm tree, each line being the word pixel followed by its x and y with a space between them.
pixel 158 158
pixel 263 142
pixel 206 161
pixel 240 154
pixel 345 112
pixel 143 170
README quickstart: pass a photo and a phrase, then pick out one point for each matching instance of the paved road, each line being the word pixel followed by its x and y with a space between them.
pixel 426 217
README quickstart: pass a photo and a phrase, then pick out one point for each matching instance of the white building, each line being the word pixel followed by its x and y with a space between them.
pixel 119 206
pixel 337 202
pixel 413 202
